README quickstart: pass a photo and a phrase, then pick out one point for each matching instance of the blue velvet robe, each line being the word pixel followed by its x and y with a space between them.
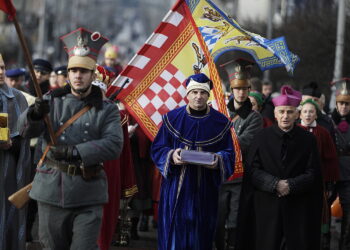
pixel 189 193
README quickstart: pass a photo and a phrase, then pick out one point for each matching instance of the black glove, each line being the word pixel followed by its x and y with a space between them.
pixel 68 153
pixel 40 108
pixel 16 146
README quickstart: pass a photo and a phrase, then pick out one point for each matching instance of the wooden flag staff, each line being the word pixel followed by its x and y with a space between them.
pixel 32 74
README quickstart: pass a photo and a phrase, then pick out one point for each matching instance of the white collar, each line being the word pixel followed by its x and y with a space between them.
pixel 312 125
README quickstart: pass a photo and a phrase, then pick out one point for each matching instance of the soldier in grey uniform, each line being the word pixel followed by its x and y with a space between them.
pixel 247 123
pixel 70 186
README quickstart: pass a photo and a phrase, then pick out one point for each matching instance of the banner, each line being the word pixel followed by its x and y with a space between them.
pixel 222 34
pixel 158 71
pixel 189 39
pixel 8 8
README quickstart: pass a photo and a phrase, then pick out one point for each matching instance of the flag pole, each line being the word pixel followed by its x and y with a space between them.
pixel 32 74
pixel 115 94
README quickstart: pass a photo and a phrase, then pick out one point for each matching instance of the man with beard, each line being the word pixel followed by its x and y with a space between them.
pixel 70 184
pixel 14 165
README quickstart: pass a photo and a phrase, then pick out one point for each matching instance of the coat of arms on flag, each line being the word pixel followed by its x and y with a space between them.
pixel 192 35
pixel 158 71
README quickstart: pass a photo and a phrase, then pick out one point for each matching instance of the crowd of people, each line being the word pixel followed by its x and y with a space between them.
pixel 78 182
pixel 296 160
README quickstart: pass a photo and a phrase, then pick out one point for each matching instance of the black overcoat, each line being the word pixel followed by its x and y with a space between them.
pixel 264 218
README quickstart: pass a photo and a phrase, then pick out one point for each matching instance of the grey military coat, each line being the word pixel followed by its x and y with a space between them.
pixel 98 137
pixel 248 124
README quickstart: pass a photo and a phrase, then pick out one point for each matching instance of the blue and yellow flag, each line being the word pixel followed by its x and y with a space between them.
pixel 191 36
pixel 222 34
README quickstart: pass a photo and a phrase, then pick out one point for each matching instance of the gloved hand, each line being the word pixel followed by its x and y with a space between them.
pixel 40 108
pixel 68 153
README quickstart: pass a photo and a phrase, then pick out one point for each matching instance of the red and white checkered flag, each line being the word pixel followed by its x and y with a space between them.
pixel 157 73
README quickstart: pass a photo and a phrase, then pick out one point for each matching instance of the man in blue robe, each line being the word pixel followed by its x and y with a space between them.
pixel 189 193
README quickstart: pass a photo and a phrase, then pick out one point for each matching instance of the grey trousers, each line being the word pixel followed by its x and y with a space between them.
pixel 69 228
pixel 229 196
pixel 234 204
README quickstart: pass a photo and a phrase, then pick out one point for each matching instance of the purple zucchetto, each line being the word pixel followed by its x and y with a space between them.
pixel 288 97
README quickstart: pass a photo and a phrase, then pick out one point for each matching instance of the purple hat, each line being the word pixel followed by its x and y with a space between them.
pixel 288 97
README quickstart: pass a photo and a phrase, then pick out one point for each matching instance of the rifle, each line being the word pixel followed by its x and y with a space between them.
pixel 21 197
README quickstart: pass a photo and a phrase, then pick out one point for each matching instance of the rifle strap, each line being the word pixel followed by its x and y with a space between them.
pixel 61 129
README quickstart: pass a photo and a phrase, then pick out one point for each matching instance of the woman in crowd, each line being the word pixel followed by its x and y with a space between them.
pixel 329 160
pixel 257 100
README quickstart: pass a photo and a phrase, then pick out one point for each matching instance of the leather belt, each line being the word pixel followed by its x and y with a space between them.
pixel 70 168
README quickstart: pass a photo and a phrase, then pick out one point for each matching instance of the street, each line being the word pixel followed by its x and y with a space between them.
pixel 148 240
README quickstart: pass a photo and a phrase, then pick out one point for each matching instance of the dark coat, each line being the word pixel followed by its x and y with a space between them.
pixel 44 86
pixel 14 172
pixel 326 122
pixel 343 145
pixel 267 110
pixel 247 125
pixel 264 217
